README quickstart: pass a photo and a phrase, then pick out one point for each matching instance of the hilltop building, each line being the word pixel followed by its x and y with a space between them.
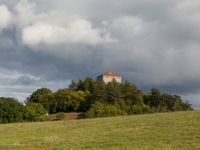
pixel 108 77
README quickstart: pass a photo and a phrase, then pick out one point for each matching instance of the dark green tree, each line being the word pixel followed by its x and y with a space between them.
pixel 73 86
pixel 155 98
pixel 80 85
pixel 132 95
pixel 114 94
pixel 10 110
pixel 34 97
pixel 99 94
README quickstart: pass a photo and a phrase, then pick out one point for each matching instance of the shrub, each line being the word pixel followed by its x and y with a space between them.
pixel 100 110
pixel 111 111
pixel 96 110
pixel 60 116
pixel 45 118
pixel 136 109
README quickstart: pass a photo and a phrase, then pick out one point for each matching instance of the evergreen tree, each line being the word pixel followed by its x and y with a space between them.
pixel 99 94
pixel 114 91
pixel 73 86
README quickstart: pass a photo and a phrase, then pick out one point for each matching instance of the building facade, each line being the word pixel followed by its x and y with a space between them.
pixel 108 77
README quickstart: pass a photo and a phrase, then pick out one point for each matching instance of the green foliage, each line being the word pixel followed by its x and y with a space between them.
pixel 164 102
pixel 96 110
pixel 102 110
pixel 49 102
pixel 34 112
pixel 45 118
pixel 34 97
pixel 60 116
pixel 96 98
pixel 132 95
pixel 136 109
pixel 73 86
pixel 99 94
pixel 65 100
pixel 10 110
pixel 113 92
pixel 111 111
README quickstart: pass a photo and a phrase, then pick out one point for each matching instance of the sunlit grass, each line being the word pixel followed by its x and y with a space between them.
pixel 179 130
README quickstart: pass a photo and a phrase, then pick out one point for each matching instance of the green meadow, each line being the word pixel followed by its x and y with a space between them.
pixel 176 130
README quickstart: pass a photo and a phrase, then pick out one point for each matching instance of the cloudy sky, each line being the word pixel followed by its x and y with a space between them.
pixel 47 43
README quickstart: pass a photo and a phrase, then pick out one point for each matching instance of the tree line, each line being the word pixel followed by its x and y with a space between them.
pixel 95 98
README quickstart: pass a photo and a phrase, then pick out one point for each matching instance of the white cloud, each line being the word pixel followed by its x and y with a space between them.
pixel 77 32
pixel 5 17
pixel 55 27
pixel 24 13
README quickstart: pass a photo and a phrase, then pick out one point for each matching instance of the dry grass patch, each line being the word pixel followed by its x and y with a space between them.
pixel 50 138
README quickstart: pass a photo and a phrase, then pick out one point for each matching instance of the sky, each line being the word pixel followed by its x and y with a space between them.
pixel 48 43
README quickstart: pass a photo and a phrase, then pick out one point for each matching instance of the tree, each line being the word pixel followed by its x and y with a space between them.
pixel 89 85
pixel 155 98
pixel 186 106
pixel 132 95
pixel 73 86
pixel 127 91
pixel 80 85
pixel 99 94
pixel 114 91
pixel 62 98
pixel 34 97
pixel 48 102
pixel 10 110
pixel 34 112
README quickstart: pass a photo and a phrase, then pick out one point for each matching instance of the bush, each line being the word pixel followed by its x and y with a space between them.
pixel 96 110
pixel 111 111
pixel 100 110
pixel 45 118
pixel 60 116
pixel 136 109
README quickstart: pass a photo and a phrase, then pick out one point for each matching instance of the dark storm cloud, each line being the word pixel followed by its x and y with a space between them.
pixel 48 43
pixel 24 80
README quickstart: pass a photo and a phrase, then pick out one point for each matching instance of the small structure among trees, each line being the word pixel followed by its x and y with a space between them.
pixel 109 76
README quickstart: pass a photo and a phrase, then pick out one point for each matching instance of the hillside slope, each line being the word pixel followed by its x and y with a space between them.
pixel 177 130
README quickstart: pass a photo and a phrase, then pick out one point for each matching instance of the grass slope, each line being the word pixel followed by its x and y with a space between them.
pixel 179 130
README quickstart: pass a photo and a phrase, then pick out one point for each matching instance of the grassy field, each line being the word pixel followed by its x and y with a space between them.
pixel 179 130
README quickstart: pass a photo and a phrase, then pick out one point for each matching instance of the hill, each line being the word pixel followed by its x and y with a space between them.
pixel 177 130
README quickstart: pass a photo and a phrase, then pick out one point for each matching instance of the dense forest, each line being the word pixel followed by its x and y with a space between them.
pixel 95 98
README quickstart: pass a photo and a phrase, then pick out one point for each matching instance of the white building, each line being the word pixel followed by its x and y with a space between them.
pixel 108 77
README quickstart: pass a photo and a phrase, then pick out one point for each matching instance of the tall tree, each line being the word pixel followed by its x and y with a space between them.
pixel 73 86
pixel 132 94
pixel 99 94
pixel 114 91
pixel 156 98
pixel 80 85
pixel 34 97
pixel 88 85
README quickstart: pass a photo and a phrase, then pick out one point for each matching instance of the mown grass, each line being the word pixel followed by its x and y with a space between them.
pixel 179 130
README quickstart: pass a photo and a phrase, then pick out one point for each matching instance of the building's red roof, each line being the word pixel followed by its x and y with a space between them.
pixel 109 73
